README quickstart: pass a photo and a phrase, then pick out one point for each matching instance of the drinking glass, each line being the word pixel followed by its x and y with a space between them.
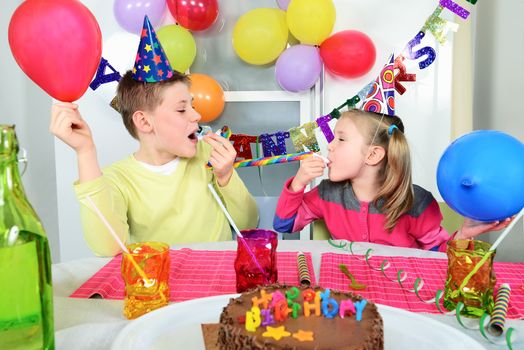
pixel 145 270
pixel 477 293
pixel 260 245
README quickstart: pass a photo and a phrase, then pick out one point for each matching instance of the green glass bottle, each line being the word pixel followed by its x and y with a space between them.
pixel 26 295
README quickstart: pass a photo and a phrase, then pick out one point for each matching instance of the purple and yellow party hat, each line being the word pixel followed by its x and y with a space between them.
pixel 381 96
pixel 151 64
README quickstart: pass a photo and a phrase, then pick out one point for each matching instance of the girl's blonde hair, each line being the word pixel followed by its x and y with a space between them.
pixel 396 190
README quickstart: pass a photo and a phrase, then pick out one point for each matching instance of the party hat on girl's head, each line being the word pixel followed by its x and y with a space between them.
pixel 151 64
pixel 381 96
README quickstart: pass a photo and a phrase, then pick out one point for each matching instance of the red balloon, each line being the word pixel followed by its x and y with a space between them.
pixel 194 14
pixel 58 44
pixel 349 53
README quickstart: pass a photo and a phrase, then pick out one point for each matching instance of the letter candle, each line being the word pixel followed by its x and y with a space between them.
pixel 498 317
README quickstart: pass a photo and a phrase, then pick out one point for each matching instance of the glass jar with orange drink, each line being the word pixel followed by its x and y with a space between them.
pixel 145 270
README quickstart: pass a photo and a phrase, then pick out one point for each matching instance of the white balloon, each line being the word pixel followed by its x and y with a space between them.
pixel 120 52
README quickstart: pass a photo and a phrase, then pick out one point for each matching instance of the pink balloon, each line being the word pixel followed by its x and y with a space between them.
pixel 58 44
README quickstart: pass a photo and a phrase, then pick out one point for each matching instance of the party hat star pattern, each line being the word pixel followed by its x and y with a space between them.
pixel 151 64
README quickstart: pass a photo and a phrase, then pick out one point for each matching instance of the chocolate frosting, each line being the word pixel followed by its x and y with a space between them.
pixel 335 333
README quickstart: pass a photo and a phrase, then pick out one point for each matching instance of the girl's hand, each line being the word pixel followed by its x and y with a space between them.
pixel 472 228
pixel 222 157
pixel 310 168
pixel 68 126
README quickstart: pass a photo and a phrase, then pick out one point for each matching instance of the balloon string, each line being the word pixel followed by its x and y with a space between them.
pixel 401 275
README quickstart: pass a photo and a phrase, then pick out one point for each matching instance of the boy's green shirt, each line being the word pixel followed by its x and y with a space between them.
pixel 142 205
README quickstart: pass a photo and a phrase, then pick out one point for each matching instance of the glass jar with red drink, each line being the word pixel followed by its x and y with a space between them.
pixel 256 260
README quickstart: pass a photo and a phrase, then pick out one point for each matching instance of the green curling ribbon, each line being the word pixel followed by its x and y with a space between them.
pixel 401 276
pixel 367 255
pixel 417 287
pixel 332 242
pixel 484 325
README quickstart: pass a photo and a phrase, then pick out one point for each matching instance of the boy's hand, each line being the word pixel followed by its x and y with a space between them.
pixel 472 228
pixel 68 126
pixel 310 168
pixel 222 157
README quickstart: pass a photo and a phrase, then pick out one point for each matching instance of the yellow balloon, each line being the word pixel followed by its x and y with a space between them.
pixel 311 21
pixel 260 35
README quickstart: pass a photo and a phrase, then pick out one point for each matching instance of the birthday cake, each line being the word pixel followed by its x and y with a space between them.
pixel 285 317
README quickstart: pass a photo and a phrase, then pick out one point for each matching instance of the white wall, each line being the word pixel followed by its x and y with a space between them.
pixel 499 88
pixel 27 106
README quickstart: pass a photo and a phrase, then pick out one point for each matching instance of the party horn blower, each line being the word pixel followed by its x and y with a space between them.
pixel 303 270
pixel 498 317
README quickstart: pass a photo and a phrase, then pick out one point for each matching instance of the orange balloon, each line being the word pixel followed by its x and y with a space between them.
pixel 208 96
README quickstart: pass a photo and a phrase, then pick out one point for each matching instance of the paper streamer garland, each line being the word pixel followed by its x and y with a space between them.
pixel 498 317
pixel 303 270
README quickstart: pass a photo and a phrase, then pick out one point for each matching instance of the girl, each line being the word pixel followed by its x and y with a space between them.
pixel 369 195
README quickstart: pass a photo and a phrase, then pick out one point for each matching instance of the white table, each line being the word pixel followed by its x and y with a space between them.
pixel 94 323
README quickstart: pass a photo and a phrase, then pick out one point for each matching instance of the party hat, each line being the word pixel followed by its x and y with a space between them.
pixel 381 96
pixel 151 64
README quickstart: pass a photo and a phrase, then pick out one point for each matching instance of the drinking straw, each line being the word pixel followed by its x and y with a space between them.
pixel 492 249
pixel 498 316
pixel 147 281
pixel 303 270
pixel 507 230
pixel 239 235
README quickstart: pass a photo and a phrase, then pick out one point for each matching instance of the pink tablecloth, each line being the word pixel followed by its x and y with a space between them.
pixel 193 274
pixel 382 290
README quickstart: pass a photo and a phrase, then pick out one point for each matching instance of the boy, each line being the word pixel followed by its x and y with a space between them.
pixel 160 192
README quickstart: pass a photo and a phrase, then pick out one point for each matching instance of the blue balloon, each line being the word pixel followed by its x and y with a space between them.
pixel 481 175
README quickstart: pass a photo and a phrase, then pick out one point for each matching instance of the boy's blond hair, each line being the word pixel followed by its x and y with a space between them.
pixel 133 95
pixel 395 171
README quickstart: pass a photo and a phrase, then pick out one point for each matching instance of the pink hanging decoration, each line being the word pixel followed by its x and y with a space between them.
pixel 381 97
